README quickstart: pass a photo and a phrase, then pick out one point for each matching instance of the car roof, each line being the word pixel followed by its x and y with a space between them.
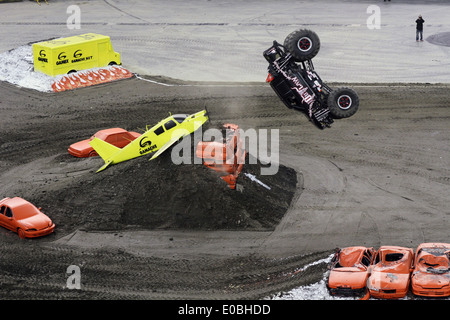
pixel 21 207
pixel 169 118
pixel 15 202
pixel 180 115
pixel 348 256
pixel 394 248
pixel 433 245
pixel 106 132
pixel 358 248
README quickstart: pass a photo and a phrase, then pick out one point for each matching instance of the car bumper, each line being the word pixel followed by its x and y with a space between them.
pixel 434 293
pixel 347 292
pixel 39 233
pixel 76 153
pixel 388 293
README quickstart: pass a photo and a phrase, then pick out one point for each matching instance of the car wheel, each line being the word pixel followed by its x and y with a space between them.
pixel 21 233
pixel 303 44
pixel 343 102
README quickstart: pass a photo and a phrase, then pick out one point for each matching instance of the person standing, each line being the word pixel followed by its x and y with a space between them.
pixel 419 28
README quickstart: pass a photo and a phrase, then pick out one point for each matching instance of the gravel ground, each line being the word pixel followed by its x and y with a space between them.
pixel 379 177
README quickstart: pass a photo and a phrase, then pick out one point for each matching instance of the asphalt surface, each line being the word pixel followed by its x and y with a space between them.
pixel 224 40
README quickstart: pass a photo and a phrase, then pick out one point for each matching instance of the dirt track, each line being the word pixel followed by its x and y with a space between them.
pixel 380 177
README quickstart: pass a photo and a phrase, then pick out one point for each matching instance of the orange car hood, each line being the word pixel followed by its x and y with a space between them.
pixel 35 222
pixel 348 277
pixel 432 281
pixel 387 280
pixel 432 272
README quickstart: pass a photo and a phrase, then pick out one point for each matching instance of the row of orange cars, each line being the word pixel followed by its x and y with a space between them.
pixel 391 271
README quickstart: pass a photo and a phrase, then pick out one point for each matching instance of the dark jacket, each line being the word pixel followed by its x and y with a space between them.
pixel 419 23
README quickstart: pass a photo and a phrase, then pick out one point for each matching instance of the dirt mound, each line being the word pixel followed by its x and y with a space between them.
pixel 159 194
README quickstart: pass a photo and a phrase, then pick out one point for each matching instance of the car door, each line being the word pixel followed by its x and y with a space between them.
pixel 2 216
pixel 6 217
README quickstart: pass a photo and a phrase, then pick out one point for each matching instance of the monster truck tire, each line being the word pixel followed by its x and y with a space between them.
pixel 343 103
pixel 303 44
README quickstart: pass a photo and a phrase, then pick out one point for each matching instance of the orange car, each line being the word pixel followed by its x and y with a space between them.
pixel 390 272
pixel 18 215
pixel 349 271
pixel 431 275
pixel 226 157
pixel 115 136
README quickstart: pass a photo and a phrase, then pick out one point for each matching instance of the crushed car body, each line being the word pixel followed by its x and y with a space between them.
pixel 390 272
pixel 297 84
pixel 431 274
pixel 349 271
pixel 226 157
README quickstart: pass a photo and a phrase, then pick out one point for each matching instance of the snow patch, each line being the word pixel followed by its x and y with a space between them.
pixel 16 67
pixel 315 291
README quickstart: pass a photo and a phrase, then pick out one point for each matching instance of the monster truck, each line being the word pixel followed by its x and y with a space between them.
pixel 293 78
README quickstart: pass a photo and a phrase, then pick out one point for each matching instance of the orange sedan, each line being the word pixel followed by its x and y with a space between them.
pixel 431 275
pixel 18 215
pixel 116 136
pixel 390 272
pixel 349 271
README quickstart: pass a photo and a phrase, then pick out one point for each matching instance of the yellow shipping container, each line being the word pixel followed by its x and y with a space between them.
pixel 66 55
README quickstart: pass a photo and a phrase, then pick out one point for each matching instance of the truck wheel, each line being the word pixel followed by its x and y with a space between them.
pixel 343 102
pixel 303 44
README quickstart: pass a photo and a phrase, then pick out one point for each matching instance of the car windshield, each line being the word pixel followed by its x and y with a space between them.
pixel 102 135
pixel 391 257
pixel 24 210
pixel 349 257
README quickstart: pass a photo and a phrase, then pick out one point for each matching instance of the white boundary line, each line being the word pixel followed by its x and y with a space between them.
pixel 198 85
pixel 381 85
pixel 152 81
